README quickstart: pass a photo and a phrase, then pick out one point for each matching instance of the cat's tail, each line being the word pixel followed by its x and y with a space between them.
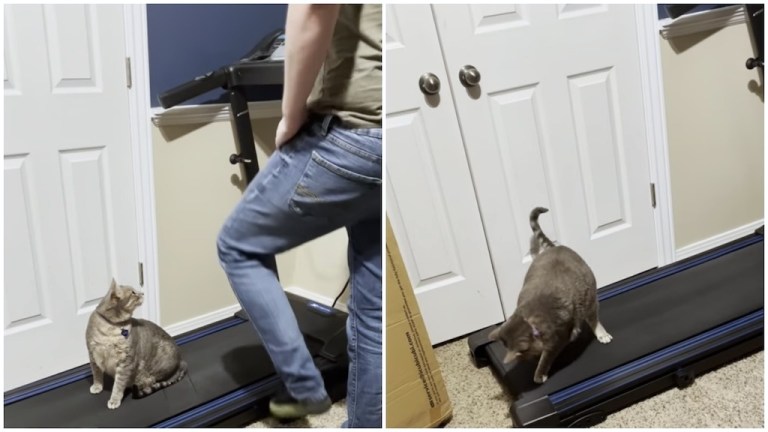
pixel 177 376
pixel 180 373
pixel 539 241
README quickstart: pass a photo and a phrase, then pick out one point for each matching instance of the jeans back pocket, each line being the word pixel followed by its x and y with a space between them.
pixel 327 189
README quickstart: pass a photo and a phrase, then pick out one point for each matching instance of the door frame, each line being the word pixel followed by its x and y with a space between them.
pixel 137 49
pixel 649 52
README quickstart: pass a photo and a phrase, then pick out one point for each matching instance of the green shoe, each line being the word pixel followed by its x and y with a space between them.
pixel 284 406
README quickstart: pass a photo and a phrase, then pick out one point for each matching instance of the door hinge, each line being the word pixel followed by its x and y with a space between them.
pixel 128 78
pixel 653 195
pixel 141 274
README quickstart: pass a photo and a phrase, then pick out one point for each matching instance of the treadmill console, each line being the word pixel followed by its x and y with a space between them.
pixel 269 48
pixel 262 65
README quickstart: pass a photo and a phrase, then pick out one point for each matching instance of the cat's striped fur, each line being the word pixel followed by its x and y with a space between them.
pixel 136 352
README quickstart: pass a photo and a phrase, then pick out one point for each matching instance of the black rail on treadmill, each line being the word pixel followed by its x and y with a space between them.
pixel 235 79
pixel 241 74
pixel 188 90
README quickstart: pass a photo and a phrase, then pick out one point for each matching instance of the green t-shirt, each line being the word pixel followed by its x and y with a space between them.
pixel 349 84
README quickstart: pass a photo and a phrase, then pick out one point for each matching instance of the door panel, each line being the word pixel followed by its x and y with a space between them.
pixel 83 178
pixel 430 197
pixel 22 251
pixel 557 120
pixel 70 218
pixel 601 160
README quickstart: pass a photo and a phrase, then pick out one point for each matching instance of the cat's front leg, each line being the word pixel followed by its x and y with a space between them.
pixel 545 362
pixel 602 335
pixel 575 332
pixel 122 378
pixel 98 377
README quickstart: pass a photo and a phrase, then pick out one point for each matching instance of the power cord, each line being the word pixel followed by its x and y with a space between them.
pixel 342 292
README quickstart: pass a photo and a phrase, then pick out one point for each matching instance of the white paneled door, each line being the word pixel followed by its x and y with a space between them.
pixel 70 218
pixel 556 120
pixel 430 197
pixel 546 101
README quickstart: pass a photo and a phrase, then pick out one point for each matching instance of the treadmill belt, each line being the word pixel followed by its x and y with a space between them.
pixel 220 362
pixel 206 358
pixel 650 318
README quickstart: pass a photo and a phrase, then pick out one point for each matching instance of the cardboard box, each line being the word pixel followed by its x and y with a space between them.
pixel 416 393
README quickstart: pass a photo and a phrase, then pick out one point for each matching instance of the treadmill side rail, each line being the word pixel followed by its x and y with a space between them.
pixel 597 413
pixel 539 413
pixel 478 342
pixel 590 406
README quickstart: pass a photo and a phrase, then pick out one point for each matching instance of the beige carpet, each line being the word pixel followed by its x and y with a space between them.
pixel 332 419
pixel 731 396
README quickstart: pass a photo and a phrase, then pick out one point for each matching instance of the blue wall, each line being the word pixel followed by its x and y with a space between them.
pixel 189 40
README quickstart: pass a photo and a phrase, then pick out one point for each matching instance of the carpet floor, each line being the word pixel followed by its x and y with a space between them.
pixel 731 396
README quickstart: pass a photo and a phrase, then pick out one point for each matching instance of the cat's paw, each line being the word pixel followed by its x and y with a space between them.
pixel 96 388
pixel 540 380
pixel 604 337
pixel 113 403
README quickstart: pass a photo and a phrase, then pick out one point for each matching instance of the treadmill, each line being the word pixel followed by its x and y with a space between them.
pixel 230 376
pixel 668 325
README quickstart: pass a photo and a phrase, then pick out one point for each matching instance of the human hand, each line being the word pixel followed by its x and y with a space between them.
pixel 288 127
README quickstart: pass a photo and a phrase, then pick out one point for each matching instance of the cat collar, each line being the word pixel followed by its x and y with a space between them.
pixel 124 332
pixel 536 332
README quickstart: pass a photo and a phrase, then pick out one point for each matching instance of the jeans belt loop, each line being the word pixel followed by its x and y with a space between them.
pixel 327 121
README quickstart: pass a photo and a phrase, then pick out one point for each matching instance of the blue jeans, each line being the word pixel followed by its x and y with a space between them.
pixel 323 179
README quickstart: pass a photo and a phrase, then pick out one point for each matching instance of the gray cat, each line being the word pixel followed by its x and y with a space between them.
pixel 559 293
pixel 136 352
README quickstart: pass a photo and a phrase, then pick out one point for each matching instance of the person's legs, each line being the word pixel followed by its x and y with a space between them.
pixel 311 186
pixel 364 396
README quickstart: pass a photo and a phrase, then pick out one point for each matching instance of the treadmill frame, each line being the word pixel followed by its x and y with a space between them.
pixel 589 402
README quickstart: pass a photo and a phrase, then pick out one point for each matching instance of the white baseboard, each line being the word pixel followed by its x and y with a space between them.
pixel 715 241
pixel 340 305
pixel 202 320
pixel 224 313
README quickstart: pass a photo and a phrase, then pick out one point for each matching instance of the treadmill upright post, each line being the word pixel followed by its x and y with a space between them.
pixel 238 105
pixel 243 131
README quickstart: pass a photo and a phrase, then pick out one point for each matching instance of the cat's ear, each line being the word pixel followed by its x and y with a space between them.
pixel 494 335
pixel 113 291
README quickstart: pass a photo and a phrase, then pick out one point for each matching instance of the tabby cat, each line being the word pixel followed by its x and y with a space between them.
pixel 136 352
pixel 559 293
